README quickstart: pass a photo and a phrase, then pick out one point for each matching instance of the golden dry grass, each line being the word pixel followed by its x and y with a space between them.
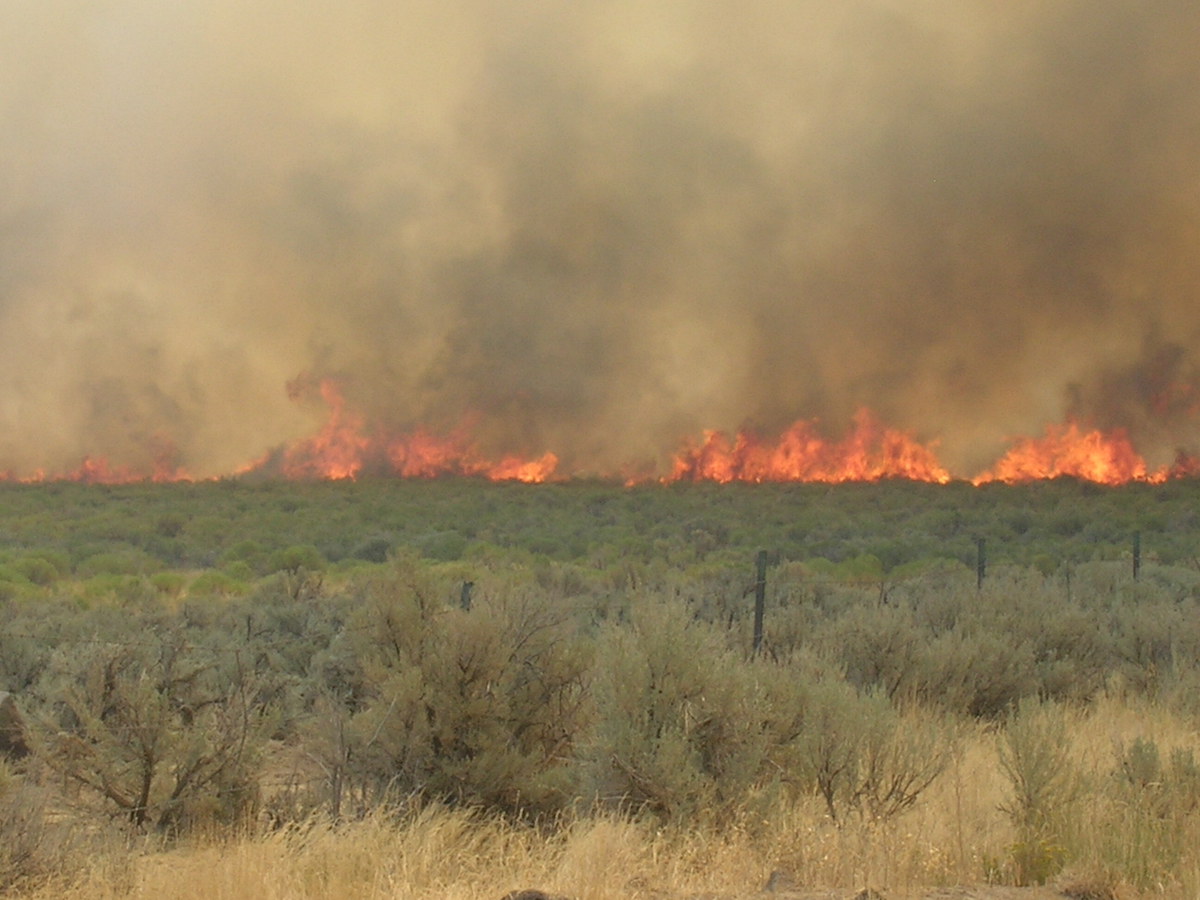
pixel 453 854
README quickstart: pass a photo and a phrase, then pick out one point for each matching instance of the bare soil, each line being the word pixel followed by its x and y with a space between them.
pixel 981 892
pixel 987 892
pixel 984 892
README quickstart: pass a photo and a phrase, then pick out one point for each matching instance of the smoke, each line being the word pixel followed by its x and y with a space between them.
pixel 594 227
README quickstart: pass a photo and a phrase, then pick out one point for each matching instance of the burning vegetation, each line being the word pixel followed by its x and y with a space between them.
pixel 346 446
pixel 714 240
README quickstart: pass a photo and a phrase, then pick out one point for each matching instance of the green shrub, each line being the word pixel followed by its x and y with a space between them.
pixel 974 671
pixel 169 525
pixel 118 562
pixel 163 734
pixel 375 549
pixel 209 584
pixel 249 552
pixel 168 583
pixel 10 585
pixel 481 707
pixel 298 558
pixel 1156 799
pixel 1044 786
pixel 445 546
pixel 114 588
pixel 677 728
pixel 863 757
pixel 239 570
pixel 879 648
pixel 35 569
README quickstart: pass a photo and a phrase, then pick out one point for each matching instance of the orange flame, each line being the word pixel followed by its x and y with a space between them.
pixel 870 452
pixel 343 449
pixel 423 455
pixel 337 450
pixel 1067 450
pixel 97 470
pixel 1185 466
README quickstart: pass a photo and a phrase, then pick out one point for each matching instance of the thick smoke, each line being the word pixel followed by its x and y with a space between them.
pixel 595 226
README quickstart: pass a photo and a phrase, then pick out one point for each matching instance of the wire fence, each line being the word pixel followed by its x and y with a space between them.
pixel 763 584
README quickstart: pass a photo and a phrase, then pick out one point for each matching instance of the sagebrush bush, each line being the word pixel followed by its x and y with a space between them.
pixel 680 724
pixel 38 845
pixel 1044 782
pixel 865 757
pixel 480 706
pixel 606 651
pixel 22 832
pixel 166 736
pixel 688 728
pixel 1156 799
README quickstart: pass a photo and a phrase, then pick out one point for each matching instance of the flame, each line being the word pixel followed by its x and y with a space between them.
pixel 424 455
pixel 345 447
pixel 338 450
pixel 1068 450
pixel 870 452
pixel 98 470
pixel 1185 466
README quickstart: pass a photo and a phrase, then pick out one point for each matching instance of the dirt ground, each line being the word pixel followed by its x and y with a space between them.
pixel 983 892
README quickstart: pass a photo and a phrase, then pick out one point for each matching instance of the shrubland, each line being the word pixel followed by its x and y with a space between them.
pixel 253 675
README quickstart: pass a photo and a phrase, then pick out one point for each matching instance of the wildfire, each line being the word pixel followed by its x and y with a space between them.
pixel 870 452
pixel 345 446
pixel 1069 450
pixel 337 450
pixel 92 470
pixel 423 455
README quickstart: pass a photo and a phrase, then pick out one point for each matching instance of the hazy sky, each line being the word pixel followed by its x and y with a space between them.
pixel 599 226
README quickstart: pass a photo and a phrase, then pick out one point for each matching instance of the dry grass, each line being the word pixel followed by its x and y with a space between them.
pixel 457 855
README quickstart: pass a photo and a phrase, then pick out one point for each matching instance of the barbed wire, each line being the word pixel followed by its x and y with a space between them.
pixel 778 588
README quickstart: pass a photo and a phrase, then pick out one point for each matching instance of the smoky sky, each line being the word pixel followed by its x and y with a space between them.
pixel 595 227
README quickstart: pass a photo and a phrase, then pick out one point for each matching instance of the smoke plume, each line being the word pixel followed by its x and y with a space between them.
pixel 594 226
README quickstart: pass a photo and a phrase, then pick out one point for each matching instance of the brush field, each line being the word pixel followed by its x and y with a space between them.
pixel 456 689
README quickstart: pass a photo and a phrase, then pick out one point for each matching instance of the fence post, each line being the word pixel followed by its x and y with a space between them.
pixel 1137 554
pixel 980 562
pixel 760 598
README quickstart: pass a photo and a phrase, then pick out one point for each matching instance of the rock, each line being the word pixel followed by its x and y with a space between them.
pixel 531 895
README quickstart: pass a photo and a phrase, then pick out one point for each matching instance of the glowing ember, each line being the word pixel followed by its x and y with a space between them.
pixel 870 452
pixel 1068 450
